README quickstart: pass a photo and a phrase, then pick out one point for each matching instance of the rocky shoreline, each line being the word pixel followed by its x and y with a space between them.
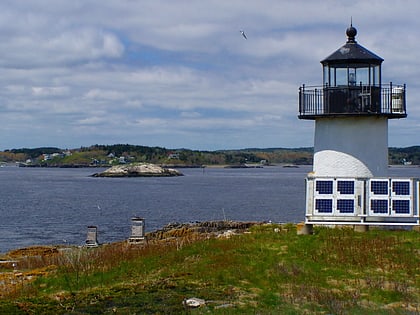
pixel 25 264
pixel 206 229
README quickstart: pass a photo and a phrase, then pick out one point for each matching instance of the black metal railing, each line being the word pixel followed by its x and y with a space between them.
pixel 324 101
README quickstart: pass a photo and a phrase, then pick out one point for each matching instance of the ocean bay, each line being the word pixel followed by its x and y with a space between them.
pixel 43 206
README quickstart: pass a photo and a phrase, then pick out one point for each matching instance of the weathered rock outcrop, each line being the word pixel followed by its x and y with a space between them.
pixel 138 170
pixel 208 228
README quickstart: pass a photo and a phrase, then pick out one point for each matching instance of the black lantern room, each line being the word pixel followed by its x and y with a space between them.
pixel 352 86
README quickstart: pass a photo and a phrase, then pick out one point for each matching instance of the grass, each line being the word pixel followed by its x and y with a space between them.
pixel 268 270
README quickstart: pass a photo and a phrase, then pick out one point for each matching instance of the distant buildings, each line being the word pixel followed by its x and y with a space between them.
pixel 48 157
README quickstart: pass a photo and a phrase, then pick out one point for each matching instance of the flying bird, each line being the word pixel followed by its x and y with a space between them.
pixel 243 34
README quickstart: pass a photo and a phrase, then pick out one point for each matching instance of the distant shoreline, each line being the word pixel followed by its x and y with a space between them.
pixel 185 166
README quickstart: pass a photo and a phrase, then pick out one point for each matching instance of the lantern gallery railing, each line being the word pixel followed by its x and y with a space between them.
pixel 352 100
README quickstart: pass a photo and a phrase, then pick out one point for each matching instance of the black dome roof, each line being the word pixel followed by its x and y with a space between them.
pixel 352 52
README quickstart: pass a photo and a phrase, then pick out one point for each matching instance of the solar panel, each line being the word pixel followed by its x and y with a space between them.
pixel 323 205
pixel 379 187
pixel 345 187
pixel 401 206
pixel 345 205
pixel 324 187
pixel 401 188
pixel 379 206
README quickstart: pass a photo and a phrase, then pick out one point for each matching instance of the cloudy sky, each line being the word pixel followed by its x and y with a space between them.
pixel 179 74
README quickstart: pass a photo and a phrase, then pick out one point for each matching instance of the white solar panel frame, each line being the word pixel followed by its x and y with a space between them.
pixel 409 198
pixel 372 196
pixel 357 197
pixel 318 196
pixel 353 196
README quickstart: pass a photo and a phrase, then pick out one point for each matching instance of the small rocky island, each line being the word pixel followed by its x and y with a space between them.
pixel 138 170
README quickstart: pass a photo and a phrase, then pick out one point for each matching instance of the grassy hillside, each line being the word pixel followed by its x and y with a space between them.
pixel 267 269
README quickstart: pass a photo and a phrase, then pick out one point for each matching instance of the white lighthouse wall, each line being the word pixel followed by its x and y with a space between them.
pixel 351 147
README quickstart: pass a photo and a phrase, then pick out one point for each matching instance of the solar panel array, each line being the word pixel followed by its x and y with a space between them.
pixel 324 199
pixel 390 197
pixel 378 197
pixel 335 196
pixel 375 197
pixel 401 197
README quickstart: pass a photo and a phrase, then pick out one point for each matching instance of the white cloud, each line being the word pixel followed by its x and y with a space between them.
pixel 179 73
pixel 104 94
pixel 50 91
pixel 94 120
pixel 84 43
pixel 190 115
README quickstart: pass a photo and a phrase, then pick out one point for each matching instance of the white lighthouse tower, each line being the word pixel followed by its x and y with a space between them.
pixel 349 183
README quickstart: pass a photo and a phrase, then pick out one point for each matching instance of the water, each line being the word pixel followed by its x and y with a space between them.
pixel 54 206
pixel 43 206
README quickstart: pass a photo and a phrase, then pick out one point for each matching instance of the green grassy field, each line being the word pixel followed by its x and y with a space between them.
pixel 268 269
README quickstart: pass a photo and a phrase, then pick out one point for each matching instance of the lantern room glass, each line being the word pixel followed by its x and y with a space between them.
pixel 348 75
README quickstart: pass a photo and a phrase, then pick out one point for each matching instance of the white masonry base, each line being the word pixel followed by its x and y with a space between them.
pixel 351 147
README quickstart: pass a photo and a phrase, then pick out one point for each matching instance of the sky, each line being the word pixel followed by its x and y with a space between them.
pixel 179 74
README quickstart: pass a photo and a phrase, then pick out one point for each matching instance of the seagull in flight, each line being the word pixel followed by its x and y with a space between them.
pixel 243 34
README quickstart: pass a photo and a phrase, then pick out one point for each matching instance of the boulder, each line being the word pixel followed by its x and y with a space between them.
pixel 138 170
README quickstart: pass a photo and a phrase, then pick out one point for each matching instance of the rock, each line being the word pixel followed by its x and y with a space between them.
pixel 194 302
pixel 138 170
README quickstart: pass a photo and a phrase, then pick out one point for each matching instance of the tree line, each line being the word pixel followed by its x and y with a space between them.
pixel 97 155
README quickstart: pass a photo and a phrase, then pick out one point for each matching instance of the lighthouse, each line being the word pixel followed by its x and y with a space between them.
pixel 349 183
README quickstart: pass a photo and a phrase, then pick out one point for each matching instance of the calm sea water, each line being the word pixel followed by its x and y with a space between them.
pixel 54 206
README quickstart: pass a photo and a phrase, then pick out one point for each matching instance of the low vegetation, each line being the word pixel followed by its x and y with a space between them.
pixel 266 269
